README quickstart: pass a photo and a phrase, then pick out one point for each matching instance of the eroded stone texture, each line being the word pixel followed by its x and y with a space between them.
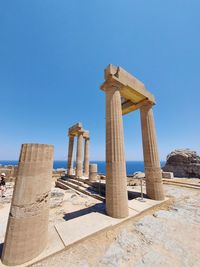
pixel 70 154
pixel 79 155
pixel 168 175
pixel 183 163
pixel 154 186
pixel 116 184
pixel 86 156
pixel 93 172
pixel 27 229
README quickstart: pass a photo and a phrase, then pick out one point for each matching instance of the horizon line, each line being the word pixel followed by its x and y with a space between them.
pixel 75 160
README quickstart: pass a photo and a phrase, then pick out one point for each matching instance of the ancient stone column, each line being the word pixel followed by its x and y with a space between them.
pixel 27 229
pixel 86 157
pixel 93 172
pixel 153 173
pixel 116 181
pixel 70 155
pixel 79 155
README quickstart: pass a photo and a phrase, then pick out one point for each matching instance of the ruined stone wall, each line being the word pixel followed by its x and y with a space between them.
pixel 10 171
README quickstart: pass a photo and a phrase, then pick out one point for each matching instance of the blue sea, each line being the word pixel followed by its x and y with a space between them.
pixel 131 166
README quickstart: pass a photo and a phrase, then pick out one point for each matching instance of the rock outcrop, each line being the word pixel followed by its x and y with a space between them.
pixel 183 163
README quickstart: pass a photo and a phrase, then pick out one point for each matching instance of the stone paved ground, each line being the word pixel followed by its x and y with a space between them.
pixel 62 202
pixel 168 237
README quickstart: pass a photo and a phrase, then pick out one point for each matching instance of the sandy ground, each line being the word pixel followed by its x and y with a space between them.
pixel 168 237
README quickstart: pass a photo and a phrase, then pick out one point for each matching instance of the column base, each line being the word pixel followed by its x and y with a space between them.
pixel 70 172
pixel 154 185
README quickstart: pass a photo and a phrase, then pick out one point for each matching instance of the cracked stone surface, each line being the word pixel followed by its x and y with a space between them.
pixel 167 237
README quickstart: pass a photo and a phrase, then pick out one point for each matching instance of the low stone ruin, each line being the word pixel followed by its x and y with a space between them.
pixel 183 163
pixel 10 172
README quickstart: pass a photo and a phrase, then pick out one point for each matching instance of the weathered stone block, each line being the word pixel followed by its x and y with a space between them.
pixel 167 175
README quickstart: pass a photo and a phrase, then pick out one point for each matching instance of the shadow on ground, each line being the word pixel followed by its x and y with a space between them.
pixel 99 207
pixel 132 195
pixel 96 189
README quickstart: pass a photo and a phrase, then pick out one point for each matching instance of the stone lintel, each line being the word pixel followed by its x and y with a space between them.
pixel 128 106
pixel 133 91
pixel 75 129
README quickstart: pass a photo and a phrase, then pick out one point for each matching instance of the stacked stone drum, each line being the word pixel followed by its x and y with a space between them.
pixel 93 172
pixel 27 228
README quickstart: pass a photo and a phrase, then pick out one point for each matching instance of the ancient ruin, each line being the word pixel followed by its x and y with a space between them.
pixel 125 93
pixel 77 130
pixel 27 228
pixel 29 213
pixel 93 172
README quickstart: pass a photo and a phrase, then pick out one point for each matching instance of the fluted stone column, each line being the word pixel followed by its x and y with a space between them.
pixel 93 172
pixel 27 229
pixel 153 173
pixel 116 183
pixel 70 154
pixel 86 157
pixel 79 155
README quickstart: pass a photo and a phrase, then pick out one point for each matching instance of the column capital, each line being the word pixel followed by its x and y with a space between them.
pixel 75 128
pixel 80 133
pixel 86 135
pixel 147 105
pixel 111 84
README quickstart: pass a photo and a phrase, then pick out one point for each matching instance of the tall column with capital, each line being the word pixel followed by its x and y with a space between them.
pixel 154 186
pixel 86 157
pixel 116 181
pixel 79 155
pixel 70 155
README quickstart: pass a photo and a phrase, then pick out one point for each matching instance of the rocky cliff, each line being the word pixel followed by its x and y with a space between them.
pixel 183 163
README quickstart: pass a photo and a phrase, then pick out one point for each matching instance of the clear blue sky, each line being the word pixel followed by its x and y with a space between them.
pixel 52 57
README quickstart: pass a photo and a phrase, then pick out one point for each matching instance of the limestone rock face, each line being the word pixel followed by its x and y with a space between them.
pixel 183 163
pixel 139 175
